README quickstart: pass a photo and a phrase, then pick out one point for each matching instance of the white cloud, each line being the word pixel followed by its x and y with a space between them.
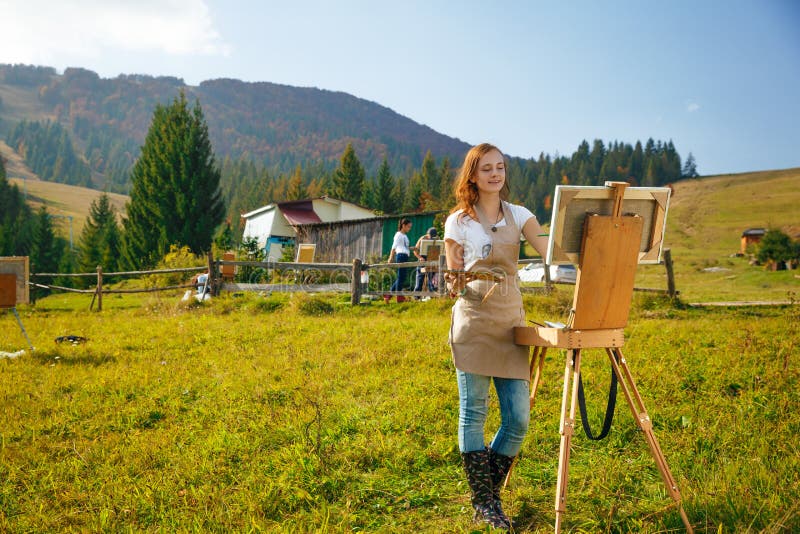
pixel 691 107
pixel 53 32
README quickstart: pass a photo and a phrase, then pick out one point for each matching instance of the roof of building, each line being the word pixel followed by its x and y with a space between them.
pixel 299 212
pixel 750 232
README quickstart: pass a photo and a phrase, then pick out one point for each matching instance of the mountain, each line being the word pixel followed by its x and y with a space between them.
pixel 278 126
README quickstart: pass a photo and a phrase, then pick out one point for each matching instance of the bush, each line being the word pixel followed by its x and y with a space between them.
pixel 777 247
pixel 176 258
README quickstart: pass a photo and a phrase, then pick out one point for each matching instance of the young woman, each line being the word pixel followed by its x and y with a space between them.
pixel 482 239
pixel 399 254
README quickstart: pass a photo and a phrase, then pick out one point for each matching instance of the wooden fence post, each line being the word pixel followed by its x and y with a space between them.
pixel 355 283
pixel 441 284
pixel 548 284
pixel 99 288
pixel 670 274
pixel 212 276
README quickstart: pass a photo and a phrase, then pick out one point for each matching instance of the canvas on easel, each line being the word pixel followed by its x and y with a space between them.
pixel 18 266
pixel 609 246
pixel 571 204
pixel 13 276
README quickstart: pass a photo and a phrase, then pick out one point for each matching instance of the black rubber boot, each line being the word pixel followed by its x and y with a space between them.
pixel 499 466
pixel 476 465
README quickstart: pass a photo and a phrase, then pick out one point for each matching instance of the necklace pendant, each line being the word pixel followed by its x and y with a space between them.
pixel 494 228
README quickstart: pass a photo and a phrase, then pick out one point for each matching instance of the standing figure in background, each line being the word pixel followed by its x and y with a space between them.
pixel 401 248
pixel 482 240
pixel 432 233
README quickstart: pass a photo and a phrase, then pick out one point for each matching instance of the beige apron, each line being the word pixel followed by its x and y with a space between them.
pixel 482 331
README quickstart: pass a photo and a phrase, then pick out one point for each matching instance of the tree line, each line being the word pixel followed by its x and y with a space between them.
pixel 180 194
pixel 47 149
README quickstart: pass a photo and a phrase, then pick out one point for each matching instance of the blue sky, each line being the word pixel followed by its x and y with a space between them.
pixel 721 79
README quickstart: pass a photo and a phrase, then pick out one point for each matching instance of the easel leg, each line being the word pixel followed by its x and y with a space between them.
pixel 537 363
pixel 567 428
pixel 19 322
pixel 625 380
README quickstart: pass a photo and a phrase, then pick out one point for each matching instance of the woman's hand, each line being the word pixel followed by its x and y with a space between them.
pixel 456 283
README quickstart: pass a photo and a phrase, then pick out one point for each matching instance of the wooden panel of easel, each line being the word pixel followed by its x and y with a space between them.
pixel 606 273
pixel 8 290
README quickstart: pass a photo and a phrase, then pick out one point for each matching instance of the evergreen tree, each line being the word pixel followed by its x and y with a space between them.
pixel 100 237
pixel 348 180
pixel 690 167
pixel 296 190
pixel 414 200
pixel 45 253
pixel 16 220
pixel 175 196
pixel 429 174
pixel 384 198
pixel 224 240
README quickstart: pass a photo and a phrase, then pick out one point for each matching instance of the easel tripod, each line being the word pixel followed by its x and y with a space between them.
pixel 600 311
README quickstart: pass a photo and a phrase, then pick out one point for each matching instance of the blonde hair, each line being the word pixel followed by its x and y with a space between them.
pixel 466 192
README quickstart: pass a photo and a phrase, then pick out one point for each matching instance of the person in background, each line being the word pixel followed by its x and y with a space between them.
pixel 482 238
pixel 432 233
pixel 399 254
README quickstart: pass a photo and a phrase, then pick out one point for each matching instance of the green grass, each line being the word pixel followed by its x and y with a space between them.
pixel 304 414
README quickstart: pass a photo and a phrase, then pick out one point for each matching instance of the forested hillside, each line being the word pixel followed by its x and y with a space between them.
pixel 275 142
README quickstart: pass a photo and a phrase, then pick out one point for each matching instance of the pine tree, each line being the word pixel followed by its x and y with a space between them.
pixel 690 167
pixel 100 237
pixel 348 180
pixel 45 254
pixel 175 196
pixel 296 190
pixel 429 174
pixel 384 189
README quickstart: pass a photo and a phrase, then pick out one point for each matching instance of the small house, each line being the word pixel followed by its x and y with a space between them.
pixel 751 236
pixel 274 225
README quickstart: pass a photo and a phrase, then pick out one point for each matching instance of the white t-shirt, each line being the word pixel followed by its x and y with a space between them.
pixel 470 234
pixel 400 243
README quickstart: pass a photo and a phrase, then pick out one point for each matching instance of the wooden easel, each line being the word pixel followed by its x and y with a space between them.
pixel 8 300
pixel 603 290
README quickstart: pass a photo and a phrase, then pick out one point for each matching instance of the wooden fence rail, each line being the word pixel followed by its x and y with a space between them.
pixel 355 278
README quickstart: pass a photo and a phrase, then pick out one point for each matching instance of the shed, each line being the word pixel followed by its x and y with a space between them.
pixel 367 239
pixel 274 225
pixel 751 236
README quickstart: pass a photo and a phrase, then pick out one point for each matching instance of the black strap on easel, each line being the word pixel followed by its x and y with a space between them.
pixel 612 402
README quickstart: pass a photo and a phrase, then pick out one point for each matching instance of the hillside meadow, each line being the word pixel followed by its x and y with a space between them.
pixel 704 227
pixel 302 413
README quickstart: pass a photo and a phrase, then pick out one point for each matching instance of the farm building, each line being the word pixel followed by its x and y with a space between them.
pixel 751 236
pixel 367 239
pixel 274 225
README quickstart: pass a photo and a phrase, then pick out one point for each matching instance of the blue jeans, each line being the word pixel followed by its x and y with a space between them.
pixel 401 273
pixel 513 395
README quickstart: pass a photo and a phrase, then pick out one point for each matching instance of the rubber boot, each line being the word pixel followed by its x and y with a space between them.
pixel 499 466
pixel 476 465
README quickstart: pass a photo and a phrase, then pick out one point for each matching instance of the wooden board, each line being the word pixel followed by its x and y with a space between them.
pixel 305 252
pixel 17 266
pixel 8 290
pixel 606 272
pixel 542 336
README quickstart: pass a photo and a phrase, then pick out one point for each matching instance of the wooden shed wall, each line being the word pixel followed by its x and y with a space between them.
pixel 343 241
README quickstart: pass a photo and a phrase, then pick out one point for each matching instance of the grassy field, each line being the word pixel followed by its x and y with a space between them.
pixel 65 201
pixel 704 228
pixel 304 414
